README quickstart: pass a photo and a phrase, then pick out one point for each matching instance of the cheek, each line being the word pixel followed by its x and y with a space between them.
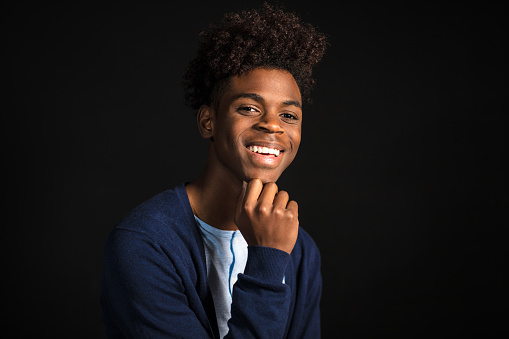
pixel 295 137
pixel 229 136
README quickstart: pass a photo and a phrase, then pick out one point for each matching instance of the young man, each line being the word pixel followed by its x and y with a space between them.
pixel 223 256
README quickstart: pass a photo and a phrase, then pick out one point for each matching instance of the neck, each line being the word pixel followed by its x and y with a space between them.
pixel 213 197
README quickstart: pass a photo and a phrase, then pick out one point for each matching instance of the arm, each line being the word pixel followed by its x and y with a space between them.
pixel 260 300
pixel 143 295
pixel 309 322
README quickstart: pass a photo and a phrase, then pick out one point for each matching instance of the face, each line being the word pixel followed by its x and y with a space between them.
pixel 256 128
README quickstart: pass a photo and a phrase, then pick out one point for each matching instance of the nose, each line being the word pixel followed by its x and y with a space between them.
pixel 269 123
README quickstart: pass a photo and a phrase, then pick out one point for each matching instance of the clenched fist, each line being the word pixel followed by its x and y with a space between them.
pixel 266 217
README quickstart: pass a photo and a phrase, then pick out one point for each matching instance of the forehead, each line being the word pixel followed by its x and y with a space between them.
pixel 273 85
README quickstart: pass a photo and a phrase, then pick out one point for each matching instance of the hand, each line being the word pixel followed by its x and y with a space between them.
pixel 265 217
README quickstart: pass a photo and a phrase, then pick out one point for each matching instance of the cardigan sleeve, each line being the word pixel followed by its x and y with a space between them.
pixel 260 300
pixel 309 316
pixel 143 295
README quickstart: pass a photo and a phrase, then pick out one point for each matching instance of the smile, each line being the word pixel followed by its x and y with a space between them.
pixel 264 150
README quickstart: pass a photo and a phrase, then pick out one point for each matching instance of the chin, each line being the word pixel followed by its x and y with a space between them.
pixel 264 177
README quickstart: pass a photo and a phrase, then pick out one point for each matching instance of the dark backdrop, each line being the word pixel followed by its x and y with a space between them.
pixel 399 177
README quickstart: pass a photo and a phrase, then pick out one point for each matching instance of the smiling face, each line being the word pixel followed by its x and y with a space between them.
pixel 256 128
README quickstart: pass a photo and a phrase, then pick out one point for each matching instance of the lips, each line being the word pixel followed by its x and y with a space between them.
pixel 265 154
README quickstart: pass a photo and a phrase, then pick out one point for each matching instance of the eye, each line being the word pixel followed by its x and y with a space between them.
pixel 247 110
pixel 290 117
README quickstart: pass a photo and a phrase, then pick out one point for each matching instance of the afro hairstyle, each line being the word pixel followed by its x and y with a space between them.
pixel 267 37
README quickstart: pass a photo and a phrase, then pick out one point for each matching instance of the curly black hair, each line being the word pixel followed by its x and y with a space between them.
pixel 268 37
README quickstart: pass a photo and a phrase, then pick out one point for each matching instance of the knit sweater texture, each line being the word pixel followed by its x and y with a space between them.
pixel 154 282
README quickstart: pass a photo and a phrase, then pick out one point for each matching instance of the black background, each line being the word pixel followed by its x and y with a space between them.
pixel 399 177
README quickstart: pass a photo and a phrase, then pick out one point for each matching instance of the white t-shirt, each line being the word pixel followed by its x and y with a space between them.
pixel 226 257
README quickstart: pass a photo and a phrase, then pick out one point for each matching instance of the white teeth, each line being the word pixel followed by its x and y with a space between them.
pixel 264 150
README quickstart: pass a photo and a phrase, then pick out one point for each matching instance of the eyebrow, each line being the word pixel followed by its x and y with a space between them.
pixel 259 98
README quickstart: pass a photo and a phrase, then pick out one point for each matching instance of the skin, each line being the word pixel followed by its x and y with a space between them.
pixel 237 189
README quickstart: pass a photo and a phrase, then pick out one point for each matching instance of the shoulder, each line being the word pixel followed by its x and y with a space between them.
pixel 163 219
pixel 157 237
pixel 159 214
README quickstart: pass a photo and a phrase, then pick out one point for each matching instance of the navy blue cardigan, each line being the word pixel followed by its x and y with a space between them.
pixel 155 280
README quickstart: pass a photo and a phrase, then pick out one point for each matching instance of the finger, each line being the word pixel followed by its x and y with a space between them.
pixel 281 199
pixel 268 194
pixel 293 206
pixel 253 190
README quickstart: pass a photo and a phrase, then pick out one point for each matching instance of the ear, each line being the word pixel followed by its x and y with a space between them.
pixel 204 118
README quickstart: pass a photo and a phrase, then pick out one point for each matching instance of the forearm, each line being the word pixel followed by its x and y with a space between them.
pixel 260 299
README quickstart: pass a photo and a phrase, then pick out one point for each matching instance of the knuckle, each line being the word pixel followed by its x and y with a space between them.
pixel 292 215
pixel 263 209
pixel 279 212
pixel 247 206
